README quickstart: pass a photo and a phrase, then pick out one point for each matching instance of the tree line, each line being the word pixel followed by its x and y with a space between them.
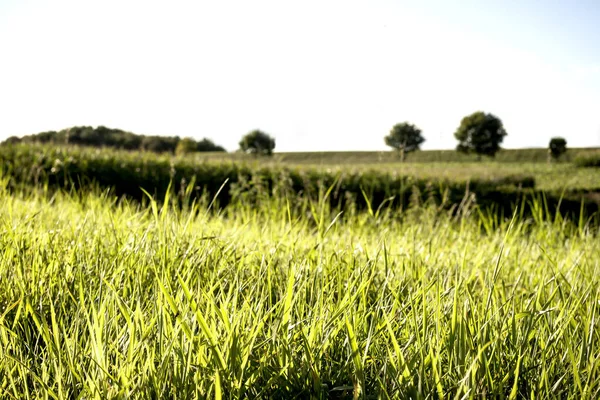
pixel 479 133
pixel 102 136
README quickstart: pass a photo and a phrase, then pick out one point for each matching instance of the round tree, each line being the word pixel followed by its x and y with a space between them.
pixel 480 133
pixel 557 147
pixel 404 137
pixel 257 142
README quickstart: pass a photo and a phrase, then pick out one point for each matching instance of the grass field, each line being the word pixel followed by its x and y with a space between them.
pixel 103 300
pixel 448 164
pixel 534 155
pixel 103 297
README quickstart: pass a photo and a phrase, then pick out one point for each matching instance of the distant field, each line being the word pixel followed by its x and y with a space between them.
pixel 555 176
pixel 385 157
pixel 550 177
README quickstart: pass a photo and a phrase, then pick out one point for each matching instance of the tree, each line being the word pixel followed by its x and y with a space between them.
pixel 404 137
pixel 557 147
pixel 186 146
pixel 12 140
pixel 208 145
pixel 480 133
pixel 257 142
pixel 102 136
pixel 189 145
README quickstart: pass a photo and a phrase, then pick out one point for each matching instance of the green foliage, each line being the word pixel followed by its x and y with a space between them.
pixel 207 145
pixel 126 174
pixel 256 280
pixel 404 137
pixel 557 147
pixel 257 142
pixel 589 159
pixel 102 136
pixel 110 300
pixel 186 146
pixel 480 133
pixel 12 140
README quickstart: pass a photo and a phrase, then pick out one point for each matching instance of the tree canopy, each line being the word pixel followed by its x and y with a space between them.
pixel 480 133
pixel 257 142
pixel 557 147
pixel 102 136
pixel 404 137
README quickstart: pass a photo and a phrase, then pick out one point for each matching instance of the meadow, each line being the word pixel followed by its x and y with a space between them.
pixel 279 293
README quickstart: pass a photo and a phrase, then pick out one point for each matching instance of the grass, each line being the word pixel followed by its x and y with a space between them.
pixel 110 299
pixel 129 169
pixel 548 177
pixel 324 158
pixel 554 176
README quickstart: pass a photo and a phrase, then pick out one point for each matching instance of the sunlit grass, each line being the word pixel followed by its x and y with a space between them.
pixel 102 299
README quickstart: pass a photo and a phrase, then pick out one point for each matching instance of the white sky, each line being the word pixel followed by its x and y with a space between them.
pixel 317 75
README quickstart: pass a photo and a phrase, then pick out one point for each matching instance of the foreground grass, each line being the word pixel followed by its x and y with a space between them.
pixel 104 300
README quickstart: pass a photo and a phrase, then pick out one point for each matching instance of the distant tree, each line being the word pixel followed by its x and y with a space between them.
pixel 189 145
pixel 208 145
pixel 404 137
pixel 557 147
pixel 186 146
pixel 480 133
pixel 12 140
pixel 46 137
pixel 102 136
pixel 257 142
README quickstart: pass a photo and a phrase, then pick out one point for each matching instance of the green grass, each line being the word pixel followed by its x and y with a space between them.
pixel 448 164
pixel 535 155
pixel 548 177
pixel 31 163
pixel 588 159
pixel 110 299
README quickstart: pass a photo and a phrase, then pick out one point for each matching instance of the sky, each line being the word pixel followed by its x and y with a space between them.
pixel 317 75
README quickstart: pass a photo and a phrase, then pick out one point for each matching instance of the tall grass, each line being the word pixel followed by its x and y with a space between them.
pixel 103 298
